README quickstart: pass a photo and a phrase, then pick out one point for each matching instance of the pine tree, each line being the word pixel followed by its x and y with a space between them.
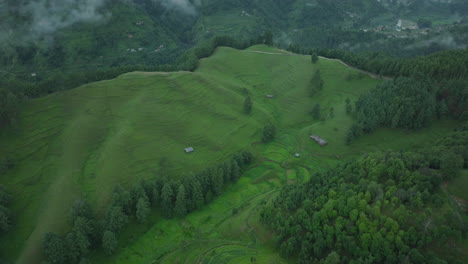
pixel 269 132
pixel 247 105
pixel 180 208
pixel 156 197
pixel 349 108
pixel 443 108
pixel 316 111
pixel 142 209
pixel 236 171
pixel 83 230
pixel 55 248
pixel 314 57
pixel 217 181
pixel 197 194
pixel 109 242
pixel 227 171
pixel 167 200
pixel 316 83
pixel 115 219
pixel 5 219
pixel 247 156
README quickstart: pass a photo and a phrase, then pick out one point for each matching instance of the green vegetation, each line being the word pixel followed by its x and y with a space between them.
pixel 85 141
pixel 5 212
pixel 383 207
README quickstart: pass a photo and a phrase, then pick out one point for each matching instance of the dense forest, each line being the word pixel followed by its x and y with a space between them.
pixel 385 207
pixel 423 89
pixel 168 197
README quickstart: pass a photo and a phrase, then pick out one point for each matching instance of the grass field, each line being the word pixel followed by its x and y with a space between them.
pixel 84 141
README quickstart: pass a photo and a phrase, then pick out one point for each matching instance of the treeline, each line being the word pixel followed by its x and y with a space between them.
pixel 169 197
pixel 401 103
pixel 380 208
pixel 423 89
pixel 16 88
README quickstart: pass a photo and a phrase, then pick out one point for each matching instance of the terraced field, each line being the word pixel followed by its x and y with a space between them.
pixel 84 141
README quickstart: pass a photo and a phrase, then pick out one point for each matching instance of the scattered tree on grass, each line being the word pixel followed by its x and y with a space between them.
pixel 269 132
pixel 316 112
pixel 75 245
pixel 314 57
pixel 316 83
pixel 247 105
pixel 349 108
pixel 332 112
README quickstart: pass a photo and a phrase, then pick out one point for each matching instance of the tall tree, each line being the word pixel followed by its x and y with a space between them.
pixel 247 105
pixel 316 111
pixel 142 209
pixel 314 57
pixel 217 180
pixel 167 200
pixel 55 249
pixel 316 83
pixel 349 108
pixel 115 219
pixel 180 208
pixel 269 133
pixel 236 171
pixel 109 242
pixel 197 194
pixel 5 219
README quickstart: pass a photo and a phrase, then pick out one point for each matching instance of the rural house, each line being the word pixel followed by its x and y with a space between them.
pixel 319 140
pixel 188 150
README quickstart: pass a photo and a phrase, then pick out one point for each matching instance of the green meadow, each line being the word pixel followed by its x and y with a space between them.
pixel 82 142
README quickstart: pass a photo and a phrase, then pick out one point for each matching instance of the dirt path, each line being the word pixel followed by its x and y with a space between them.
pixel 375 76
pixel 271 53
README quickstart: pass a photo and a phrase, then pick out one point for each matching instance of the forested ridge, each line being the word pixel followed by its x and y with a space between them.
pixel 385 207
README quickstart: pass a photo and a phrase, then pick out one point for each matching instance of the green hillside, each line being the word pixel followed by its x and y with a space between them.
pixel 82 142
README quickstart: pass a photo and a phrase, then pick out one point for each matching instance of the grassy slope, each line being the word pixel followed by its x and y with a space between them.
pixel 84 141
pixel 214 234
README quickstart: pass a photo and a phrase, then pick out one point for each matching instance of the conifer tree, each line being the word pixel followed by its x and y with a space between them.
pixel 167 200
pixel 248 105
pixel 197 194
pixel 236 171
pixel 180 208
pixel 314 57
pixel 316 111
pixel 109 242
pixel 142 209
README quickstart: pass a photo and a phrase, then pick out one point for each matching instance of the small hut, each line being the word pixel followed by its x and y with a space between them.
pixel 270 96
pixel 297 155
pixel 319 140
pixel 188 150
